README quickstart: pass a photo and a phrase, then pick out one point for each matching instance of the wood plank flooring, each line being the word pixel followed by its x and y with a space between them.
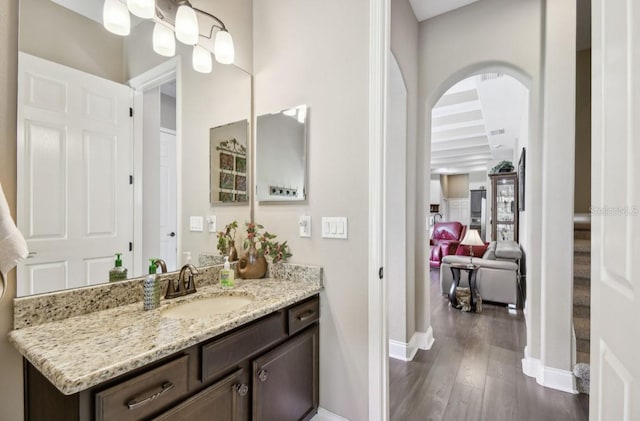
pixel 473 372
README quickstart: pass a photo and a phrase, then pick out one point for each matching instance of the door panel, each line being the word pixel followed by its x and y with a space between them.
pixel 75 204
pixel 615 267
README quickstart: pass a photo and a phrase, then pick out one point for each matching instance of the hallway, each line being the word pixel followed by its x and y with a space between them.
pixel 473 372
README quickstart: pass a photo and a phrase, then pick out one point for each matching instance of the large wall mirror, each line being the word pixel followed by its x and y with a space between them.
pixel 281 148
pixel 96 178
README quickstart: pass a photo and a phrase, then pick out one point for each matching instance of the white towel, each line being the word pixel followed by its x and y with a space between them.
pixel 13 247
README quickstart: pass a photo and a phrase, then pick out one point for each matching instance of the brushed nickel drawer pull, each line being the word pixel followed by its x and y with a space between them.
pixel 306 315
pixel 263 375
pixel 138 403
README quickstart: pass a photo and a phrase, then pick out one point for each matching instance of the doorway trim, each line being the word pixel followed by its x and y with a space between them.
pixel 154 77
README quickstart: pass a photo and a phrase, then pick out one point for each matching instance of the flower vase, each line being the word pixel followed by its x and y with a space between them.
pixel 233 252
pixel 253 265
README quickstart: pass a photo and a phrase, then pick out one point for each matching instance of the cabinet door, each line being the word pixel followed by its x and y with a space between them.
pixel 285 380
pixel 223 401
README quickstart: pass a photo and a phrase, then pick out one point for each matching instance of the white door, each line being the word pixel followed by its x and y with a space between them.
pixel 74 161
pixel 615 175
pixel 168 207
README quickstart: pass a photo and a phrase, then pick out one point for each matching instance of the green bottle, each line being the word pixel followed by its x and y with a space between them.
pixel 118 273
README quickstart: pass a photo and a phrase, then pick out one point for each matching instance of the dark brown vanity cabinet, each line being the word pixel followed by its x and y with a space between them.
pixel 264 370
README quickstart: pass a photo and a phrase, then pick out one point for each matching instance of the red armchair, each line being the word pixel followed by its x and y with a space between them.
pixel 444 241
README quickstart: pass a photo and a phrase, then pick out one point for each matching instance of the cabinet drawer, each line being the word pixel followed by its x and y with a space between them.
pixel 145 394
pixel 303 315
pixel 226 353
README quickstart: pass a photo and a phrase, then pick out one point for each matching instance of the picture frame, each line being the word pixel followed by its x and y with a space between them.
pixel 521 179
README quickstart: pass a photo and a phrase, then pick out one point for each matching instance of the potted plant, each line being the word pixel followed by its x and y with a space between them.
pixel 257 245
pixel 227 241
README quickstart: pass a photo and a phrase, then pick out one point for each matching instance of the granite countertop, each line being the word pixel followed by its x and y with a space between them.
pixel 80 352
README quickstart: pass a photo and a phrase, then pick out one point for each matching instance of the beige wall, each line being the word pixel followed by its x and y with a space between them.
pixel 458 186
pixel 317 53
pixel 583 132
pixel 41 35
pixel 11 362
pixel 404 46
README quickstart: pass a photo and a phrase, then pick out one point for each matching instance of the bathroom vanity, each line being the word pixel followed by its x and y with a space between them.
pixel 258 362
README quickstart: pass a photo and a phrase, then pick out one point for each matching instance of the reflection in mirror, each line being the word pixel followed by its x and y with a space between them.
pixel 94 180
pixel 228 150
pixel 281 151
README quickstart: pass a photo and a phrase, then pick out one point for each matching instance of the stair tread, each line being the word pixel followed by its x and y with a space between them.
pixel 582 357
pixel 582 244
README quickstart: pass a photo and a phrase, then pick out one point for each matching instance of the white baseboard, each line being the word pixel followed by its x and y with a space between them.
pixel 406 351
pixel 324 415
pixel 550 377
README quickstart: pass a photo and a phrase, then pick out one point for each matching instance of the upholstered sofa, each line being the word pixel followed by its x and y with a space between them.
pixel 498 276
pixel 444 241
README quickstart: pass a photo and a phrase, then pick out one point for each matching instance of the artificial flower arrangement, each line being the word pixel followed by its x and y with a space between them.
pixel 264 244
pixel 227 238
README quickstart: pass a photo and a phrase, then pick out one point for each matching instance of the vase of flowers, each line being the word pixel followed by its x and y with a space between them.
pixel 258 245
pixel 227 243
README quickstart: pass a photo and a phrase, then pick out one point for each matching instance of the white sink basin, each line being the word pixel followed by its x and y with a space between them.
pixel 207 307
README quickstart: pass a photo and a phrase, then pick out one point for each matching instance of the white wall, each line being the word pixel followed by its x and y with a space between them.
pixel 491 35
pixel 11 361
pixel 404 46
pixel 317 53
pixel 151 173
pixel 395 207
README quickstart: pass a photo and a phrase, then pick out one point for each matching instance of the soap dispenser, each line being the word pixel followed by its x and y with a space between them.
pixel 118 273
pixel 226 275
pixel 151 288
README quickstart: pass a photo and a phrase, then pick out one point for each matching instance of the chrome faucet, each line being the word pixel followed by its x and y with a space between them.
pixel 183 287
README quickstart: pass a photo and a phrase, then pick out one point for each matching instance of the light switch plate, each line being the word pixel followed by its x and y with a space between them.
pixel 334 227
pixel 305 226
pixel 196 223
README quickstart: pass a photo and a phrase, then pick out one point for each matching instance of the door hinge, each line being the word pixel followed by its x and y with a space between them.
pixel 381 272
pixel 130 246
pixel 130 111
pixel 131 179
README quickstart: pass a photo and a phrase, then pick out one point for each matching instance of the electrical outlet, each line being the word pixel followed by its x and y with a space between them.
pixel 305 226
pixel 211 220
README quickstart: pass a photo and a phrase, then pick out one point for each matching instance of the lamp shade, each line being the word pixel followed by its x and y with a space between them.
pixel 201 60
pixel 472 238
pixel 223 46
pixel 164 42
pixel 144 9
pixel 187 25
pixel 115 17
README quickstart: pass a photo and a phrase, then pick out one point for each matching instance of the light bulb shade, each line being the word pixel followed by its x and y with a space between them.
pixel 115 17
pixel 223 47
pixel 472 238
pixel 201 60
pixel 144 9
pixel 164 42
pixel 187 25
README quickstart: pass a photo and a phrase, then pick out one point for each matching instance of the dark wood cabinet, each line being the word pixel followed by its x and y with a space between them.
pixel 218 380
pixel 285 380
pixel 504 206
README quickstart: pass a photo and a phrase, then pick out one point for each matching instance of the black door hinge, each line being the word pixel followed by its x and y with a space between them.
pixel 381 272
pixel 130 112
pixel 130 246
pixel 130 179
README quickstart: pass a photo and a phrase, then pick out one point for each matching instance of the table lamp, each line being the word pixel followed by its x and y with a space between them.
pixel 472 238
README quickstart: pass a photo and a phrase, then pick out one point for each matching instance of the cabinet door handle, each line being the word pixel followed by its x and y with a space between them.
pixel 263 375
pixel 242 389
pixel 306 315
pixel 136 403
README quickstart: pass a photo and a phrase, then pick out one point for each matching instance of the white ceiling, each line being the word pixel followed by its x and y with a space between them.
pixel 477 122
pixel 425 9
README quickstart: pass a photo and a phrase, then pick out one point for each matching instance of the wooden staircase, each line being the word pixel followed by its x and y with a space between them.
pixel 582 289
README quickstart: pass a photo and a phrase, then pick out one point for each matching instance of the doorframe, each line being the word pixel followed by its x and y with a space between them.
pixel 379 47
pixel 156 76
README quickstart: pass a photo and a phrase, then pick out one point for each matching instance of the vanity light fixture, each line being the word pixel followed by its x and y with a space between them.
pixel 173 19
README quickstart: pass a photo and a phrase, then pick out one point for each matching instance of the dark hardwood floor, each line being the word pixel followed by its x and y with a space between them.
pixel 473 372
